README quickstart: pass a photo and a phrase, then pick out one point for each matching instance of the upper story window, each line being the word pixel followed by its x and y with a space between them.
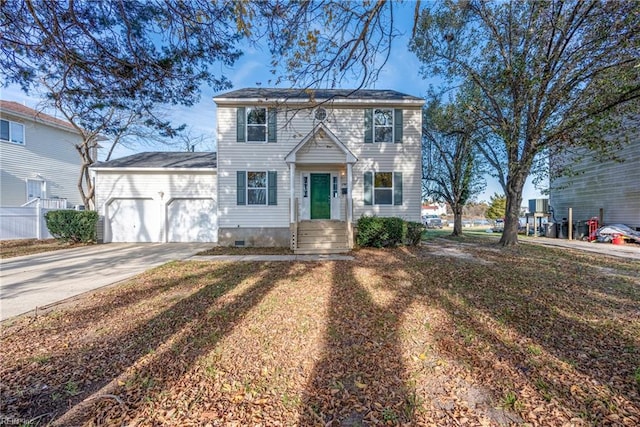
pixel 383 125
pixel 12 132
pixel 320 114
pixel 256 124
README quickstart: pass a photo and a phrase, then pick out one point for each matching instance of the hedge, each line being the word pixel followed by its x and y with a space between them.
pixel 387 232
pixel 73 226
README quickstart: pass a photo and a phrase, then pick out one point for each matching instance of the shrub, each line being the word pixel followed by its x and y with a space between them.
pixel 381 232
pixel 72 226
pixel 414 233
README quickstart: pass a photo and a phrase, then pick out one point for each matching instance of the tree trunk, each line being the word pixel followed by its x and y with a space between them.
pixel 457 220
pixel 512 210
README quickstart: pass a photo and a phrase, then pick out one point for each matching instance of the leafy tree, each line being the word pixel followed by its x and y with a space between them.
pixel 549 76
pixel 108 65
pixel 497 206
pixel 451 167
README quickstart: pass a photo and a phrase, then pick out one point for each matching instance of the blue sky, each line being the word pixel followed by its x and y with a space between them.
pixel 401 73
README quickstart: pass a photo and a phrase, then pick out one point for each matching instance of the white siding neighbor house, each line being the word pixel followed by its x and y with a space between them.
pixel 294 168
pixel 611 186
pixel 38 158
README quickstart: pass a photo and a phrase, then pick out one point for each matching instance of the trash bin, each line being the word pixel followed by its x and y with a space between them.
pixel 552 230
pixel 582 230
pixel 564 229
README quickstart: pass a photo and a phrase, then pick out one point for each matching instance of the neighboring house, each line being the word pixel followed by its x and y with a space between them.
pixel 434 209
pixel 613 187
pixel 38 158
pixel 297 168
pixel 158 197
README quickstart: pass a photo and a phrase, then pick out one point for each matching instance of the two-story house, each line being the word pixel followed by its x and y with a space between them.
pixel 294 168
pixel 38 158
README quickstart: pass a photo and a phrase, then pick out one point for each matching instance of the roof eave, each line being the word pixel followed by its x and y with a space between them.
pixel 154 169
pixel 317 101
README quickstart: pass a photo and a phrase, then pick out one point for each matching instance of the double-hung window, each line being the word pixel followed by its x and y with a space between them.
pixel 256 124
pixel 257 188
pixel 383 188
pixel 12 132
pixel 383 125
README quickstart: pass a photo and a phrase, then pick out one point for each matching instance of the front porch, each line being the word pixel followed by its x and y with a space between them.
pixel 321 205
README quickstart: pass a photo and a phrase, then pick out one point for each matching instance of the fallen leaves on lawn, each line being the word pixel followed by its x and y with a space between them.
pixel 470 335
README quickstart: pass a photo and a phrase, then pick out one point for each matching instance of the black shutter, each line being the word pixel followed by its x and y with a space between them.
pixel 368 188
pixel 272 125
pixel 241 118
pixel 397 188
pixel 272 185
pixel 241 188
pixel 397 126
pixel 368 126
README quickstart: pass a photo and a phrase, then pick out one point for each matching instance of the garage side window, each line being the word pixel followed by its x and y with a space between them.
pixel 257 188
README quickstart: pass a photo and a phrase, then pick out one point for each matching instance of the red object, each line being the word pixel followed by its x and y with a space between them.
pixel 618 239
pixel 593 228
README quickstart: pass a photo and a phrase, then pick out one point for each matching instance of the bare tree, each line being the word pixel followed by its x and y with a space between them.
pixel 452 169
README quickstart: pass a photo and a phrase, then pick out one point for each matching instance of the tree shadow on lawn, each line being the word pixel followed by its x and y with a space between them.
pixel 361 378
pixel 566 334
pixel 153 353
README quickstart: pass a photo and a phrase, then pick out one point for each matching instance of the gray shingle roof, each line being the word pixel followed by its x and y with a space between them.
pixel 164 159
pixel 306 94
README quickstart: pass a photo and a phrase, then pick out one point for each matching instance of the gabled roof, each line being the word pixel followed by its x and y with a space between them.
pixel 321 130
pixel 25 112
pixel 162 160
pixel 316 96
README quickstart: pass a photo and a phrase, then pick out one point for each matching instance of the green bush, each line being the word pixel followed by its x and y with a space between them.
pixel 413 234
pixel 72 226
pixel 382 232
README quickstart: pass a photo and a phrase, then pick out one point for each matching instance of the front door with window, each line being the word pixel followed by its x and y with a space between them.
pixel 320 196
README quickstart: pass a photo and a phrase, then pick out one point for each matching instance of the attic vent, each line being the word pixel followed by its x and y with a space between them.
pixel 321 114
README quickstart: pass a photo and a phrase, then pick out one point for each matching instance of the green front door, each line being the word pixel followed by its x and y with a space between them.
pixel 320 196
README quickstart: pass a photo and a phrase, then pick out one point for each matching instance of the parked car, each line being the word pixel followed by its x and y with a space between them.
pixel 499 225
pixel 432 221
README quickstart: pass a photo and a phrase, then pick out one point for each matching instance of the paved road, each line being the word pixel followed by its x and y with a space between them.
pixel 42 279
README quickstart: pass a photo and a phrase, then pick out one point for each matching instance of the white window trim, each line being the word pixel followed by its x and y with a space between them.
pixel 393 118
pixel 266 188
pixel 43 187
pixel 382 188
pixel 266 125
pixel 11 123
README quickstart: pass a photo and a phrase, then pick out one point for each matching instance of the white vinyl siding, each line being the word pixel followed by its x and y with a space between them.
pixel 612 186
pixel 49 155
pixel 346 123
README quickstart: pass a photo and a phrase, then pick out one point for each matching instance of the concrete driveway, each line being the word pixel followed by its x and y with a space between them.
pixel 43 279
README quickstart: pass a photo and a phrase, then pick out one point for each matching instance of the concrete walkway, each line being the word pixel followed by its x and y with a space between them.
pixel 39 280
pixel 309 258
pixel 630 250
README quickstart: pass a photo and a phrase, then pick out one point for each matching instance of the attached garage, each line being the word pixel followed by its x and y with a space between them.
pixel 158 197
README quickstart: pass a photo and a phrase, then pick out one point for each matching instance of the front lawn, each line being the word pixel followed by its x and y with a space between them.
pixel 450 333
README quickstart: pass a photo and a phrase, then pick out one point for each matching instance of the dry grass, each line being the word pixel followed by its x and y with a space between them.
pixel 452 333
pixel 14 248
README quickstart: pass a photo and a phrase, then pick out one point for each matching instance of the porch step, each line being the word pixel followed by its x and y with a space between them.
pixel 322 237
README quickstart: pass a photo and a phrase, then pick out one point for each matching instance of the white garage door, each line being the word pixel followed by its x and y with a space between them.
pixel 133 220
pixel 192 220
